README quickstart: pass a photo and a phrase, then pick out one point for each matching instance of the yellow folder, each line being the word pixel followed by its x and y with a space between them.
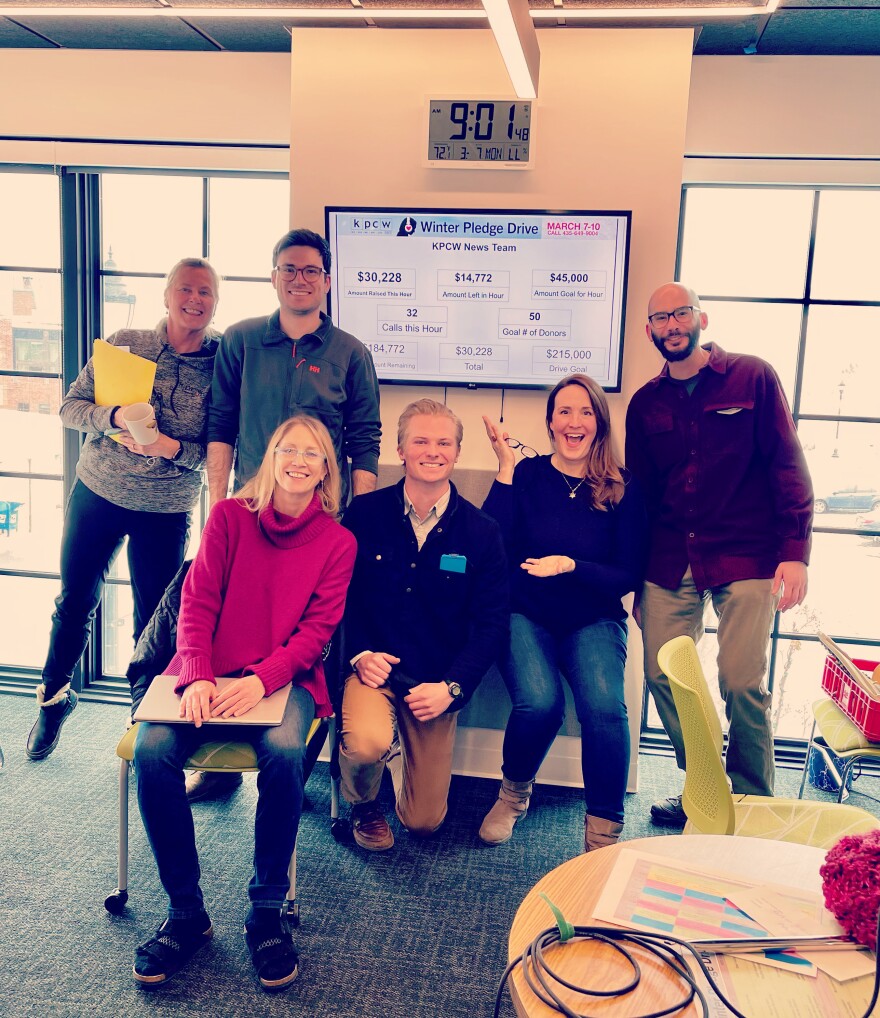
pixel 121 377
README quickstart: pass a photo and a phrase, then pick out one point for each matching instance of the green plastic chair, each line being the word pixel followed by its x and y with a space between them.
pixel 222 757
pixel 710 806
pixel 837 733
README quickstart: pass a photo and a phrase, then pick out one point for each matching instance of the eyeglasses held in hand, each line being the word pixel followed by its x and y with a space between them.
pixel 684 314
pixel 311 273
pixel 525 450
pixel 310 456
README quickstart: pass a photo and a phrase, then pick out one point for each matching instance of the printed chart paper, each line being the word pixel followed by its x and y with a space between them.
pixel 662 896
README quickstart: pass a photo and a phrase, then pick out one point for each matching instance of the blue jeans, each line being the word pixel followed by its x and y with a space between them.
pixel 160 753
pixel 592 661
pixel 94 530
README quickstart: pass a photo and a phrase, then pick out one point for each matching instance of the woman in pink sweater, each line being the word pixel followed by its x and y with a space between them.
pixel 263 597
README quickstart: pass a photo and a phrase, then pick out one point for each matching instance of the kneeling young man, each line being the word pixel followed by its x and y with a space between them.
pixel 427 615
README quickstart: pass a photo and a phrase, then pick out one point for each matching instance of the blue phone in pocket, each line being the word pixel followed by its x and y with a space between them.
pixel 453 563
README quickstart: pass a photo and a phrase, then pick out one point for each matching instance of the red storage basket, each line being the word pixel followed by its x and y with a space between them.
pixel 861 709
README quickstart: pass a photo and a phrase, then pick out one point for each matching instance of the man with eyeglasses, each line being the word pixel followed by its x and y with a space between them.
pixel 730 501
pixel 293 361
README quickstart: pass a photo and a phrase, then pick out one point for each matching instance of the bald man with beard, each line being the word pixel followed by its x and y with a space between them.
pixel 712 441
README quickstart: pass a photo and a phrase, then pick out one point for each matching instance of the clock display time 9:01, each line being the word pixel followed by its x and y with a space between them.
pixel 478 120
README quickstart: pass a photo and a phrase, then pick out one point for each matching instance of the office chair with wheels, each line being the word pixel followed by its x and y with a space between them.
pixel 710 806
pixel 220 757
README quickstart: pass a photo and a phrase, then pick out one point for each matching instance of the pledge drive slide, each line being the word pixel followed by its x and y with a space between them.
pixel 482 298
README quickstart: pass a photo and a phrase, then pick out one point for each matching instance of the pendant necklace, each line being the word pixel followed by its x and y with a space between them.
pixel 572 492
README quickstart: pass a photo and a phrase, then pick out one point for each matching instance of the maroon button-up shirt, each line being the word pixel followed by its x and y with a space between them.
pixel 725 480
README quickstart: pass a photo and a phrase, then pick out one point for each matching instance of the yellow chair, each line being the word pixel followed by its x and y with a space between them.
pixel 710 806
pixel 221 757
pixel 838 734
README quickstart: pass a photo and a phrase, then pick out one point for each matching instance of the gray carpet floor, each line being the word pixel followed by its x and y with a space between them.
pixel 419 932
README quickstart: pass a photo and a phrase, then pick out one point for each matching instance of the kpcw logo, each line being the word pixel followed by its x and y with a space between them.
pixel 407 227
pixel 362 226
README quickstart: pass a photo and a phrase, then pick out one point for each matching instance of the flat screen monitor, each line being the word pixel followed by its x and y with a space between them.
pixel 477 297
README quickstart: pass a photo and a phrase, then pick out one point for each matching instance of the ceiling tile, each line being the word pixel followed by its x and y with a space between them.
pixel 13 36
pixel 119 33
pixel 822 33
pixel 727 38
pixel 246 35
pixel 790 5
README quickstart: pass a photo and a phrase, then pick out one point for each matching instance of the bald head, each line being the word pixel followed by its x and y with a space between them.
pixel 670 296
pixel 677 339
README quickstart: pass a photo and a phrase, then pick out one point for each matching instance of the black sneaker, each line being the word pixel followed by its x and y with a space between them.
pixel 46 732
pixel 270 944
pixel 175 942
pixel 669 812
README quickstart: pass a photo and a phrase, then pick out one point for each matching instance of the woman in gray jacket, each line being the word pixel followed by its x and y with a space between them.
pixel 125 489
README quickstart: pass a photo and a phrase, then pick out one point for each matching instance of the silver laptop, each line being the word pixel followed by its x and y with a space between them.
pixel 162 704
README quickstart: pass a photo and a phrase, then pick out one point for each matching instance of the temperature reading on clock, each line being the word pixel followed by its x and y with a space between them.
pixel 484 131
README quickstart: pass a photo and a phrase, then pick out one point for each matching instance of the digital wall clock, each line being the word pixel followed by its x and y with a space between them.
pixel 470 133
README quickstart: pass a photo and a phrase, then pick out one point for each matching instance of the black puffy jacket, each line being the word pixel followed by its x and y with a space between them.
pixel 158 642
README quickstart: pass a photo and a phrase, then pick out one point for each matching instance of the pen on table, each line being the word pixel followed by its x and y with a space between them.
pixel 760 944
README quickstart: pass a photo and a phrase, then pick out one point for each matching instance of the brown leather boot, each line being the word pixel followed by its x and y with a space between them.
pixel 511 805
pixel 599 833
pixel 370 828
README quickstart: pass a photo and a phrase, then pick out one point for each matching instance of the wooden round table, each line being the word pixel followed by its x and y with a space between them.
pixel 575 887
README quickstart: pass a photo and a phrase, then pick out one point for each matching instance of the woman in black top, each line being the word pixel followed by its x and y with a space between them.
pixel 575 530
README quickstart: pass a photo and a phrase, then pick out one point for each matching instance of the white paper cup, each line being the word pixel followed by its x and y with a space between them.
pixel 140 421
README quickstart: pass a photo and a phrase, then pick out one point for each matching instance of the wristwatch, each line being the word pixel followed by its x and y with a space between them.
pixel 178 454
pixel 454 689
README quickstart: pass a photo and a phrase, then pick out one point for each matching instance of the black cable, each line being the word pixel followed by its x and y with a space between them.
pixel 536 970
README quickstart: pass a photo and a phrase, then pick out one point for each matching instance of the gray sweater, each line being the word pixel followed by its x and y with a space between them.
pixel 180 399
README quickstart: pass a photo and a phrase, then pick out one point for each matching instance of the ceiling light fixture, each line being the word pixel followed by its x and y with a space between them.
pixel 655 13
pixel 515 34
pixel 313 14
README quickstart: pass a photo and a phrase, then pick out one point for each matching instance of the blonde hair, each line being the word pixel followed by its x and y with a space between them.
pixel 193 263
pixel 427 408
pixel 258 491
pixel 602 466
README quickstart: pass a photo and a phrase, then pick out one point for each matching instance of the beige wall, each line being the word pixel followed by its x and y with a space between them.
pixel 227 97
pixel 609 134
pixel 795 108
pixel 785 105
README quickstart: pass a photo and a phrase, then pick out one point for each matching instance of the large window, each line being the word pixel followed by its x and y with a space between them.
pixel 148 222
pixel 31 490
pixel 115 236
pixel 790 274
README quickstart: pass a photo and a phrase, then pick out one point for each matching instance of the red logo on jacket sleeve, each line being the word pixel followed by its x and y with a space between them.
pixel 314 369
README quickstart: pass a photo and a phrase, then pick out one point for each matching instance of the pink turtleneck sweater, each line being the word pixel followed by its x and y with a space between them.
pixel 263 596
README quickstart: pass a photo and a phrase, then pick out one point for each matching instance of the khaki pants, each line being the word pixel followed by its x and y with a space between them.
pixel 745 611
pixel 370 718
